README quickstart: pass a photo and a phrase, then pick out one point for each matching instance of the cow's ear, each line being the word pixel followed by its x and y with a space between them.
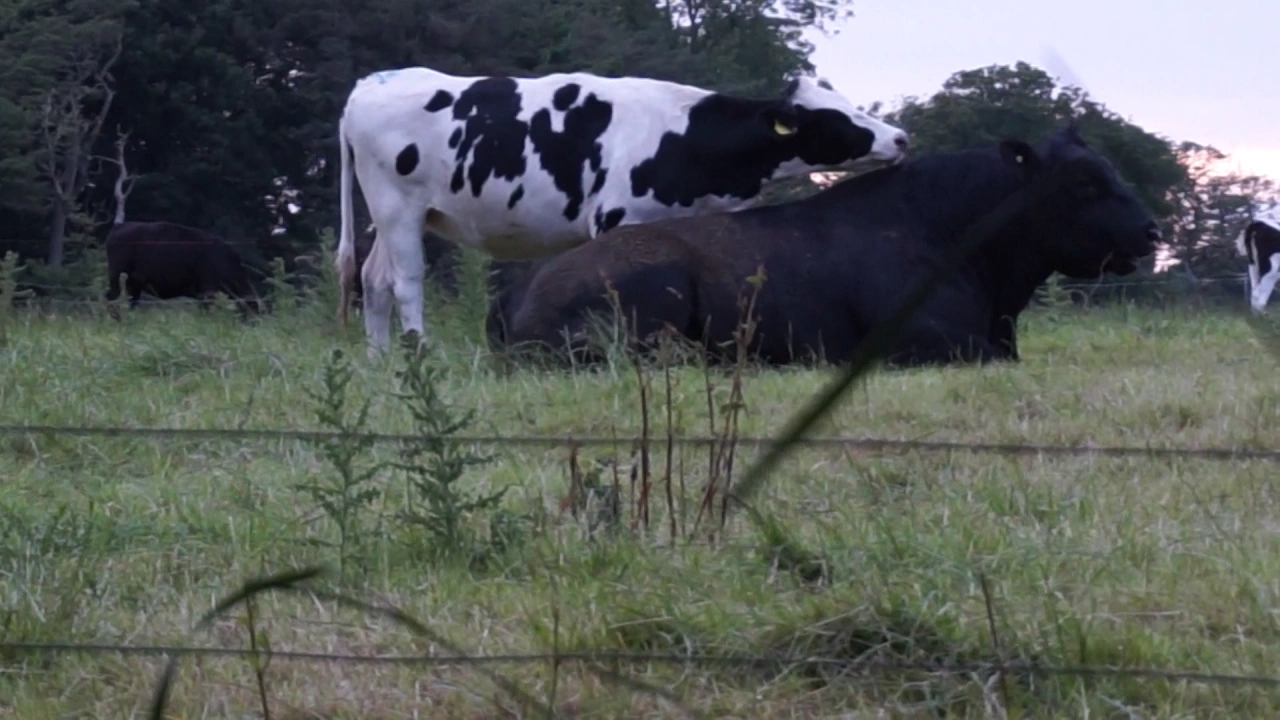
pixel 781 120
pixel 1019 153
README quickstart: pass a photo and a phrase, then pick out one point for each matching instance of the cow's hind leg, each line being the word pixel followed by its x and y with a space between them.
pixel 400 222
pixel 1266 285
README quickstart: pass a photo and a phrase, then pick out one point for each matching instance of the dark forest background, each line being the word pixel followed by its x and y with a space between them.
pixel 223 113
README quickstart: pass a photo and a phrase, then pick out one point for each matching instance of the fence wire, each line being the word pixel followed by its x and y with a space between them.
pixel 870 665
pixel 1178 282
pixel 871 444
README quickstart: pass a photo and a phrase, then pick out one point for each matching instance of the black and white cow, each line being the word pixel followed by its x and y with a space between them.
pixel 1260 243
pixel 522 168
pixel 840 262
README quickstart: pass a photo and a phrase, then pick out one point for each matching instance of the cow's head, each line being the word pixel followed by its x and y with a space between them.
pixel 823 128
pixel 1091 223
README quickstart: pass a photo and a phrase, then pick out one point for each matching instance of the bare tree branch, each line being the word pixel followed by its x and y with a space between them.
pixel 74 113
pixel 124 181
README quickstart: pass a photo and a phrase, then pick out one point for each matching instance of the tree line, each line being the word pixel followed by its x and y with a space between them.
pixel 222 114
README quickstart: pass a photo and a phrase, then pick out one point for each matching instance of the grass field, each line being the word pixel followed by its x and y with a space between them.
pixel 1132 562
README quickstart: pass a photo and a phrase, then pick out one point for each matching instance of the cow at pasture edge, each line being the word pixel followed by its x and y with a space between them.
pixel 1259 241
pixel 169 260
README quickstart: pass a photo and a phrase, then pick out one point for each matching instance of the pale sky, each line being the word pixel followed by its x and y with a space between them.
pixel 1204 71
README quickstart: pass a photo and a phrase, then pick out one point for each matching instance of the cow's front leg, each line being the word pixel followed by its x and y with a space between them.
pixel 408 269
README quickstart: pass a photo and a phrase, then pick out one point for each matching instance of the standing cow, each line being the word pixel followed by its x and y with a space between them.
pixel 840 262
pixel 522 168
pixel 170 260
pixel 1260 243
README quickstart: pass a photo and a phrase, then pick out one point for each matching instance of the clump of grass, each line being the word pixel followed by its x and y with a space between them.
pixel 593 495
pixel 49 561
pixel 437 517
pixel 437 508
pixel 282 287
pixel 177 358
pixel 10 271
pixel 348 495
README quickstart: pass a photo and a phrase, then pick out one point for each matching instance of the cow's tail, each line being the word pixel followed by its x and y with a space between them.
pixel 345 262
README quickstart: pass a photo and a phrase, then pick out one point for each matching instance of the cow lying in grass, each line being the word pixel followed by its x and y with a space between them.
pixel 839 261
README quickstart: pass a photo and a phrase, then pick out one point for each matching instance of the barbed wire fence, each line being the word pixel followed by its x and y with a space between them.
pixel 867 444
pixel 870 667
pixel 776 662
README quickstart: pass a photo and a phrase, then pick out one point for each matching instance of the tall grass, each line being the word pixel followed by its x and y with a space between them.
pixel 906 558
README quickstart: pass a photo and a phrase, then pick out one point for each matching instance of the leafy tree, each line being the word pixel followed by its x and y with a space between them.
pixel 984 105
pixel 231 107
pixel 981 106
pixel 1212 209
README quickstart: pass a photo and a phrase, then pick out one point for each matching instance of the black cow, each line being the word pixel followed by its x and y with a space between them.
pixel 840 261
pixel 1260 242
pixel 169 260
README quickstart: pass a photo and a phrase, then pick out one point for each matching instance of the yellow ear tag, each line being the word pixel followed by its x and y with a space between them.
pixel 781 129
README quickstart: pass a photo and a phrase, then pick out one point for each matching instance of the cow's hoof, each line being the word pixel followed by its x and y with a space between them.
pixel 412 340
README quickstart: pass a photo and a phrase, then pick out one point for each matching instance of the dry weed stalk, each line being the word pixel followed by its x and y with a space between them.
pixel 665 354
pixel 725 441
pixel 642 507
pixel 577 497
pixel 641 474
pixel 725 435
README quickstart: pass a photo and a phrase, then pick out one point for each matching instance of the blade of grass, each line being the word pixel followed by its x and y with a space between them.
pixel 292 581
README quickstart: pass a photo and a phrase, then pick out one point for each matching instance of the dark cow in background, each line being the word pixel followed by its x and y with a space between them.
pixel 169 260
pixel 522 168
pixel 1260 243
pixel 842 260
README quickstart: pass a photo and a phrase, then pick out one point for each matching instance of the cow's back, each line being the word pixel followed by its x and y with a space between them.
pixel 694 273
pixel 464 146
